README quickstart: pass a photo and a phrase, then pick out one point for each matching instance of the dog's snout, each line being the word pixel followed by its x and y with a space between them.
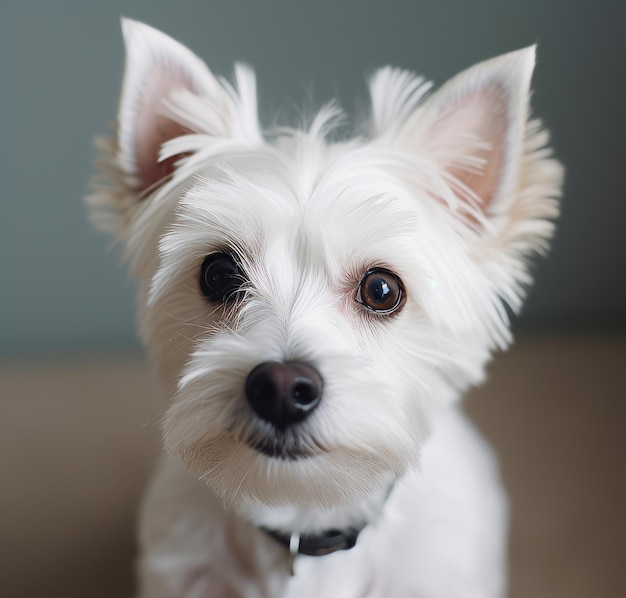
pixel 283 393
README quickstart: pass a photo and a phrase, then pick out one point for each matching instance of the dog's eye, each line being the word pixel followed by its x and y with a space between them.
pixel 220 278
pixel 380 290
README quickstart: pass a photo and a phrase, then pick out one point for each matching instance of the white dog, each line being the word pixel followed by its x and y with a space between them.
pixel 315 304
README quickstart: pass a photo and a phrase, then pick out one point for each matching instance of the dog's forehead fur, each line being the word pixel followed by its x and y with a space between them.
pixel 348 207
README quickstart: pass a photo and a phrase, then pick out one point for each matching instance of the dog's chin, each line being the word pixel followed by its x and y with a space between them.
pixel 269 473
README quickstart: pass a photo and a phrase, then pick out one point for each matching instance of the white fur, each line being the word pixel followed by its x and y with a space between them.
pixel 453 192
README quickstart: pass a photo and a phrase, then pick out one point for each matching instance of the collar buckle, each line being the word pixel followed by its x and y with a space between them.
pixel 316 544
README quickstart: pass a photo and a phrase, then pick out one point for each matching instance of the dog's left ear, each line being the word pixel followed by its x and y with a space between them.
pixel 474 132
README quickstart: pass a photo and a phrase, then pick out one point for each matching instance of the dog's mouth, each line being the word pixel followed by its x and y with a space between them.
pixel 272 447
pixel 284 445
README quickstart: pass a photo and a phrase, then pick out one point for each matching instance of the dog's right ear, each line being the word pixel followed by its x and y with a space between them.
pixel 168 94
pixel 157 69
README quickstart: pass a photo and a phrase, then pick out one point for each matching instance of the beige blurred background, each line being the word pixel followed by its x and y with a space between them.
pixel 81 438
pixel 78 417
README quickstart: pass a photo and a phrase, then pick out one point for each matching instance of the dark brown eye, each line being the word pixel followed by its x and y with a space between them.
pixel 220 278
pixel 380 290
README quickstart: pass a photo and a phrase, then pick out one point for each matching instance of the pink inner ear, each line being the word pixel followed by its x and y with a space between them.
pixel 480 117
pixel 154 129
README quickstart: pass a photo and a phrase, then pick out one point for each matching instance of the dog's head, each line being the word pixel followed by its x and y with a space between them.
pixel 312 300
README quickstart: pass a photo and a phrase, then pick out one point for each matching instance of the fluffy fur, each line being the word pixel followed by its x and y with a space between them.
pixel 453 191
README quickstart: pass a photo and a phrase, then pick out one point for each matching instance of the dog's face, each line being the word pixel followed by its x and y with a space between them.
pixel 310 305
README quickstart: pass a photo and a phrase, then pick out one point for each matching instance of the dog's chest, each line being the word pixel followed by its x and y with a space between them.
pixel 444 525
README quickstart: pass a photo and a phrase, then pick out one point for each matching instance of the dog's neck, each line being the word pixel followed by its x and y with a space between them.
pixel 316 520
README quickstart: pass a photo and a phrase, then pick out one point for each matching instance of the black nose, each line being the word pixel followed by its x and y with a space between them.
pixel 283 393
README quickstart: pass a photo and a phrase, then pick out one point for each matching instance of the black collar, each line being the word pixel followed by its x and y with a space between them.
pixel 320 544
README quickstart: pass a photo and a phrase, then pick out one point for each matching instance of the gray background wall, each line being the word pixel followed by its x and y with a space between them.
pixel 60 69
